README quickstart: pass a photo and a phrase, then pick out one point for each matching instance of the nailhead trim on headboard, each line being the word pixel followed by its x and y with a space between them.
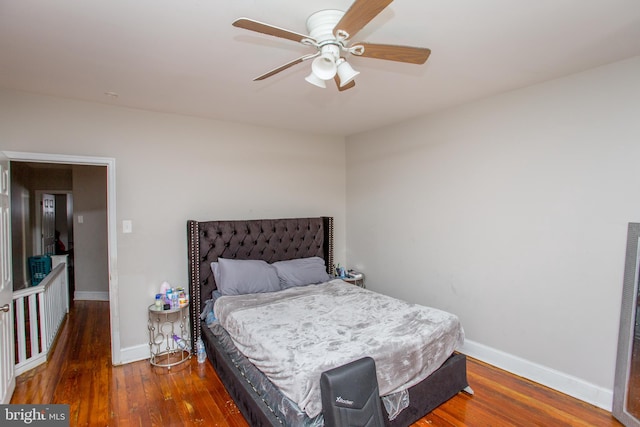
pixel 330 262
pixel 194 273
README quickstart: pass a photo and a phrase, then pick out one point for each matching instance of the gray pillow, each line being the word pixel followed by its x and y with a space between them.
pixel 215 269
pixel 239 277
pixel 302 271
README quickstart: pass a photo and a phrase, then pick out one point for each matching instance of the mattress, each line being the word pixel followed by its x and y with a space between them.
pixel 292 336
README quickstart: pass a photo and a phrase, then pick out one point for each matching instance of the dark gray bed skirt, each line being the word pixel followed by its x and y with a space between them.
pixel 436 389
pixel 251 406
pixel 439 387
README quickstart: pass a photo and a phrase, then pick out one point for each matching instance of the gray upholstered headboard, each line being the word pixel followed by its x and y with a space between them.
pixel 270 240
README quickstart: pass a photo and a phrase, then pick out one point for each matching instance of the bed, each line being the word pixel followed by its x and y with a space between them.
pixel 282 242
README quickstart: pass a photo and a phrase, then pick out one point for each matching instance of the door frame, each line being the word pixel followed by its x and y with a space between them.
pixel 7 352
pixel 110 163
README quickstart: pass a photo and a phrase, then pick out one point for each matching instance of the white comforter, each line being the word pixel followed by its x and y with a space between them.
pixel 294 335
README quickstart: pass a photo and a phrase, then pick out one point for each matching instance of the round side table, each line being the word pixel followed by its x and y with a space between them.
pixel 358 282
pixel 163 325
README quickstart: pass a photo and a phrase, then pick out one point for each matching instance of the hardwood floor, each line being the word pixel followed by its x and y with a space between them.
pixel 80 374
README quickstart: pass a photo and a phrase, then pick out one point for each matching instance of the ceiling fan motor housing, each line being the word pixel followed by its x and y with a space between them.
pixel 322 23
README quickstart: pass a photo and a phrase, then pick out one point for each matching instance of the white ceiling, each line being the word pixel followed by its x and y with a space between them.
pixel 184 56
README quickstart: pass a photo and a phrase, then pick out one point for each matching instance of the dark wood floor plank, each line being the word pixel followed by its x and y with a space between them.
pixel 79 373
pixel 119 409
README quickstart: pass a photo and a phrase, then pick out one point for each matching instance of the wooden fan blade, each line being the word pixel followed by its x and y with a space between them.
pixel 412 55
pixel 359 15
pixel 285 66
pixel 271 30
pixel 349 85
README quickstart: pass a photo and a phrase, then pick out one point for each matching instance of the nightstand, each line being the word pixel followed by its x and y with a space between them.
pixel 163 325
pixel 359 281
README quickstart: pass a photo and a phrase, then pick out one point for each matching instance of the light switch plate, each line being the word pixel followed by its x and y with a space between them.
pixel 127 226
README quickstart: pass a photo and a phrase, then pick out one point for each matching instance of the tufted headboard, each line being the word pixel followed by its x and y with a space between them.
pixel 270 240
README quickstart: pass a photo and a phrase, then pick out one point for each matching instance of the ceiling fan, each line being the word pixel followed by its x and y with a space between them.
pixel 330 32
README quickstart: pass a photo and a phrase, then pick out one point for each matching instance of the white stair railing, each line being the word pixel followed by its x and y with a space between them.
pixel 41 309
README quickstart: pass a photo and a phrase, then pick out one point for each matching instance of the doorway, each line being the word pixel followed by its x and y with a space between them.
pixel 109 242
pixel 42 216
pixel 61 231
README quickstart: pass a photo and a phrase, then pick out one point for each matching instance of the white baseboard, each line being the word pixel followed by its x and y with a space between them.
pixel 134 354
pixel 564 383
pixel 90 296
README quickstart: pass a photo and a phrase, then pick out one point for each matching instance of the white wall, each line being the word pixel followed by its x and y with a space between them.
pixel 173 168
pixel 512 213
pixel 91 266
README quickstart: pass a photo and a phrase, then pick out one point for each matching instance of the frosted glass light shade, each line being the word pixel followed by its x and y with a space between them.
pixel 324 67
pixel 314 80
pixel 345 72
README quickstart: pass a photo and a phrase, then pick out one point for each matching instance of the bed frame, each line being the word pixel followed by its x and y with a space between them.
pixel 278 240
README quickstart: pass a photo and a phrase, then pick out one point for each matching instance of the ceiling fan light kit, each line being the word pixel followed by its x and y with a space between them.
pixel 329 33
pixel 324 66
pixel 345 72
pixel 314 80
